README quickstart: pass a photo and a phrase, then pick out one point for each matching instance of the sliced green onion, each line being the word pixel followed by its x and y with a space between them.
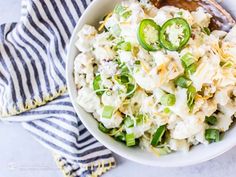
pixel 140 119
pixel 130 90
pixel 114 131
pixel 158 135
pixel 121 65
pixel 126 14
pixel 206 30
pixel 120 136
pixel 107 112
pixel 167 111
pixel 183 82
pixel 137 62
pixel 187 60
pixel 117 47
pixel 124 79
pixel 191 69
pixel 102 128
pixel 120 91
pixel 130 139
pixel 128 81
pixel 122 11
pixel 118 61
pixel 126 46
pixel 168 100
pixel 180 13
pixel 211 120
pixel 117 134
pixel 212 135
pixel 124 70
pixel 97 85
pixel 128 122
pixel 137 141
pixel 119 9
pixel 108 93
pixel 191 94
pixel 227 64
pixel 110 38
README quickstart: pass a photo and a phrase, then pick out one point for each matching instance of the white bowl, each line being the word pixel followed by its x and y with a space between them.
pixel 198 154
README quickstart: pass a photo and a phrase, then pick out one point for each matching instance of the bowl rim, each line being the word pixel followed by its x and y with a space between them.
pixel 111 147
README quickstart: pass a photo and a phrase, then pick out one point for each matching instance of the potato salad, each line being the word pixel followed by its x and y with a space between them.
pixel 156 78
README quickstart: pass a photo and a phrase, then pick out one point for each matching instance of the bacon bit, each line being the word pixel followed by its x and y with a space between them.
pixel 104 22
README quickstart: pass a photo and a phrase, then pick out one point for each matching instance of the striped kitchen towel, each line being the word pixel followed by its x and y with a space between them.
pixel 33 85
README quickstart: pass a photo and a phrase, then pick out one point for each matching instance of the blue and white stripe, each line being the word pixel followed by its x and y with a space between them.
pixel 32 73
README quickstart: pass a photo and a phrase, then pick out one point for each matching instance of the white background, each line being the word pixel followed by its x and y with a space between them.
pixel 22 156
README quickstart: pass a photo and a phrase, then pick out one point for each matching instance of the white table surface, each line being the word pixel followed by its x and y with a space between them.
pixel 22 156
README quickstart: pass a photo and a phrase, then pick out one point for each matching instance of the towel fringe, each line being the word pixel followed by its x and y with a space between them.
pixel 99 167
pixel 31 104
